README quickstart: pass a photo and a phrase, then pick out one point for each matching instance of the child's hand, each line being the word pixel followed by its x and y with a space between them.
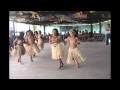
pixel 78 42
pixel 64 43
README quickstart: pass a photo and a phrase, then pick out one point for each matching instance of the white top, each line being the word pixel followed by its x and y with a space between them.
pixel 10 33
pixel 108 30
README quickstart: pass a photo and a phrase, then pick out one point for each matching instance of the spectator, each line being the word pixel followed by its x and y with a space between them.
pixel 91 36
pixel 83 36
pixel 86 35
pixel 108 30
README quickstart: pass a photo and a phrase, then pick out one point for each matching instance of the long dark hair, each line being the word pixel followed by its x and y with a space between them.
pixel 35 32
pixel 21 35
pixel 56 31
pixel 39 32
pixel 31 34
pixel 76 33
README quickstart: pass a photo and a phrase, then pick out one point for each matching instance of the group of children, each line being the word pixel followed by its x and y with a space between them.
pixel 34 44
pixel 74 55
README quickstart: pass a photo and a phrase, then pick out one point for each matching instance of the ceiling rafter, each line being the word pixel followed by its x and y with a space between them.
pixel 39 17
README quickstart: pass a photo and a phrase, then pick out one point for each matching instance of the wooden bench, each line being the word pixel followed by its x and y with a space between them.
pixel 99 37
pixel 96 37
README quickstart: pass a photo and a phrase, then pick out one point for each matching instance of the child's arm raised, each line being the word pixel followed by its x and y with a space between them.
pixel 67 40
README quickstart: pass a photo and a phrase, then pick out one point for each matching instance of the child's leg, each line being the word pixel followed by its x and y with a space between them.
pixel 31 58
pixel 34 55
pixel 42 46
pixel 78 65
pixel 19 58
pixel 60 63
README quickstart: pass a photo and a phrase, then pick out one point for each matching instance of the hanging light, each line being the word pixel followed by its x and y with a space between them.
pixel 92 11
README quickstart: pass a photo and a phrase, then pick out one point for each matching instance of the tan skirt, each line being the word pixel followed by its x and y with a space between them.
pixel 57 51
pixel 40 42
pixel 19 50
pixel 75 56
pixel 32 49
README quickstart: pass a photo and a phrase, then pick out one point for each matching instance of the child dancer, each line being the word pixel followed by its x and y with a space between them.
pixel 36 37
pixel 19 48
pixel 40 40
pixel 31 47
pixel 36 40
pixel 74 55
pixel 56 47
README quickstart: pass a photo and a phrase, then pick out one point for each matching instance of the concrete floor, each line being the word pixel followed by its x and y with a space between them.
pixel 97 65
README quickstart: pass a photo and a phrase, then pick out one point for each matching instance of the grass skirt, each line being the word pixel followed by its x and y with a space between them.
pixel 75 56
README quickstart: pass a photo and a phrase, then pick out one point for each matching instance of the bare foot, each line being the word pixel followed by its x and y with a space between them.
pixel 34 55
pixel 78 66
pixel 31 60
pixel 18 60
pixel 60 67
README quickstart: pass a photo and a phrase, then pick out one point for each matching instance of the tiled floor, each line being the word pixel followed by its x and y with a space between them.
pixel 97 65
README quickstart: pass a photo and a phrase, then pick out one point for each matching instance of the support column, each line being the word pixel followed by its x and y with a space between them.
pixel 92 28
pixel 100 26
pixel 44 29
pixel 14 30
pixel 29 27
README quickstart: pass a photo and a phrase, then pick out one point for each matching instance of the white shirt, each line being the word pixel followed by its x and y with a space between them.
pixel 108 30
pixel 10 33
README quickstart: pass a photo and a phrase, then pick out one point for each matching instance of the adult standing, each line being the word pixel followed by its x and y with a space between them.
pixel 11 39
pixel 108 31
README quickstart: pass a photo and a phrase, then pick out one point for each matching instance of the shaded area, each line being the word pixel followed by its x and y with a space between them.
pixel 59 17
